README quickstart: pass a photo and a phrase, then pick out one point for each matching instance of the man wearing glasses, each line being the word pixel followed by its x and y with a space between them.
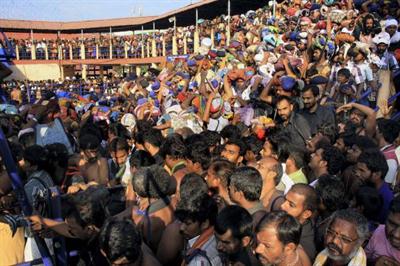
pixel 345 234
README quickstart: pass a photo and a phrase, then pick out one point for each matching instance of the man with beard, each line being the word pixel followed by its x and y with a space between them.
pixel 234 231
pixel 197 216
pixel 313 112
pixel 366 30
pixel 119 167
pixel 278 238
pixel 384 245
pixel 346 232
pixel 326 160
pixel 319 66
pixel 371 169
pixel 391 27
pixel 388 60
pixel 294 124
pixel 363 117
pixel 91 165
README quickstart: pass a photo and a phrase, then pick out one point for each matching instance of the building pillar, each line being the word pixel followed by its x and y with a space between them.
pixel 137 70
pixel 97 51
pixel 184 45
pixel 46 53
pixel 59 52
pixel 17 52
pixel 153 48
pixel 125 50
pixel 33 52
pixel 111 50
pixel 174 46
pixel 83 55
pixel 62 74
pixel 147 49
pixel 143 49
pixel 84 72
pixel 212 38
pixel 228 34
pixel 164 53
pixel 196 41
pixel 71 56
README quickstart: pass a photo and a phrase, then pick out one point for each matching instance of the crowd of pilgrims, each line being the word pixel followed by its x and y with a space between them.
pixel 279 148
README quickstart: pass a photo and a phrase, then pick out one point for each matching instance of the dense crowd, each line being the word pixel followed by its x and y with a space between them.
pixel 99 46
pixel 281 148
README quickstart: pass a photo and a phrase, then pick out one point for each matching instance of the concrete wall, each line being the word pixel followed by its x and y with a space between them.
pixel 35 72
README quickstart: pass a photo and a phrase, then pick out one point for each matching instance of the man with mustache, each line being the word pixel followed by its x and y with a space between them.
pixel 293 124
pixel 346 232
pixel 278 241
pixel 313 112
pixel 363 117
pixel 91 165
pixel 234 234
pixel 384 245
pixel 371 169
pixel 197 216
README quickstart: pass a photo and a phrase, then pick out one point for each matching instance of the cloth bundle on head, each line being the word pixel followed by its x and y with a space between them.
pixel 337 16
pixel 169 101
pixel 191 63
pixel 287 83
pixel 267 70
pixel 262 120
pixel 291 11
pixel 344 38
pixel 156 86
pixel 146 106
pixel 206 42
pixel 235 44
pixel 216 105
pixel 236 74
pixel 382 37
pixel 128 121
pixel 391 22
pixel 199 102
pixel 317 80
pixel 212 54
pixel 258 58
pixel 227 111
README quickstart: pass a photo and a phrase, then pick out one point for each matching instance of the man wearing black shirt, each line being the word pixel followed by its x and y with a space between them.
pixel 294 124
pixel 313 112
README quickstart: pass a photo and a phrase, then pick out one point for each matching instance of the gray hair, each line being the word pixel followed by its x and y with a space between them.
pixel 354 217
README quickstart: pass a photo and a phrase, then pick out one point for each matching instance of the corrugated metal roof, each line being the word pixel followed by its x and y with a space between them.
pixel 207 9
pixel 133 22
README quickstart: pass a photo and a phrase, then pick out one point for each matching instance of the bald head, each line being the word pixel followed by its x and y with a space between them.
pixel 270 164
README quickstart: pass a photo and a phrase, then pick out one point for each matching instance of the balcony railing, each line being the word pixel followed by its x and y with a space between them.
pixel 140 49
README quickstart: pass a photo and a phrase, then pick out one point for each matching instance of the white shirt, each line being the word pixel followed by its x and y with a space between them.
pixel 286 182
pixel 390 177
pixel 217 124
pixel 210 247
pixel 126 177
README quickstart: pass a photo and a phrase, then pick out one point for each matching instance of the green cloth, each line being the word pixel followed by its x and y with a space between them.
pixel 298 177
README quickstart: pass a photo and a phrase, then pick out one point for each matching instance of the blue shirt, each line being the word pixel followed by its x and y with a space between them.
pixel 387 196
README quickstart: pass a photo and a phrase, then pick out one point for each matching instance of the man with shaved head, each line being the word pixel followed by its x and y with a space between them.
pixel 271 172
pixel 301 202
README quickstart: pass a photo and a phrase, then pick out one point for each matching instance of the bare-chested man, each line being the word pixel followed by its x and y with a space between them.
pixel 93 168
pixel 155 212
